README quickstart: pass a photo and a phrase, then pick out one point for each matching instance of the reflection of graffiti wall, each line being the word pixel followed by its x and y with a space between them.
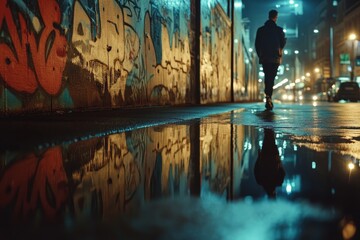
pixel 111 175
pixel 33 181
pixel 97 177
pixel 108 53
pixel 215 143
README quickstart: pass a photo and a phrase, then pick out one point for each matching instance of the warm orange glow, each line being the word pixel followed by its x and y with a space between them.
pixel 352 36
pixel 349 230
pixel 351 166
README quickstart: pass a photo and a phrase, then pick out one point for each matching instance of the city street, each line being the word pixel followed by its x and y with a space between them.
pixel 146 119
pixel 228 171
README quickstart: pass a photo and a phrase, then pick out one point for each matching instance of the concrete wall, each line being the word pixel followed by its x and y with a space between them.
pixel 108 53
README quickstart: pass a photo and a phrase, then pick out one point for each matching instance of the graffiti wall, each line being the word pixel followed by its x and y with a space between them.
pixel 80 54
pixel 215 54
pixel 84 54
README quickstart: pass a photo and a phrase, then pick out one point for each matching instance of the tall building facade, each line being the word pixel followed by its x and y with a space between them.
pixel 333 40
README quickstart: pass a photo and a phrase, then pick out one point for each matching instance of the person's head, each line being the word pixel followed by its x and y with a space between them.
pixel 273 15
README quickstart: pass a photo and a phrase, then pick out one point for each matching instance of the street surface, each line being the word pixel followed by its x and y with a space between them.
pixel 232 171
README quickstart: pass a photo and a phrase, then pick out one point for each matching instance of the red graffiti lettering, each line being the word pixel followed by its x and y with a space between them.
pixel 32 182
pixel 14 68
pixel 48 55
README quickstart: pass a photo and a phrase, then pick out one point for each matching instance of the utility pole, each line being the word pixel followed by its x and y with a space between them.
pixel 331 52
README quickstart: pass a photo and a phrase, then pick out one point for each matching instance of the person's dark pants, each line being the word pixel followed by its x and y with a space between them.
pixel 270 71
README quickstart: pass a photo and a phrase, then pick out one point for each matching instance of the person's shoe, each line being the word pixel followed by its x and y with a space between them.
pixel 269 105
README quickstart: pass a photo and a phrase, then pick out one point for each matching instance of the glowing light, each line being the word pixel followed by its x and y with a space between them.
pixel 316 31
pixel 291 1
pixel 351 166
pixel 296 51
pixel 313 165
pixel 352 36
pixel 238 4
pixel 349 229
pixel 287 97
pixel 281 83
pixel 286 52
pixel 317 70
pixel 247 145
pixel 288 188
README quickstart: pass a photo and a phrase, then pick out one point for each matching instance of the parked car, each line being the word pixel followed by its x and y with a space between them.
pixel 344 91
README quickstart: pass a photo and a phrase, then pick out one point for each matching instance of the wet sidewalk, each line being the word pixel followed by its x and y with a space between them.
pixel 59 127
pixel 204 172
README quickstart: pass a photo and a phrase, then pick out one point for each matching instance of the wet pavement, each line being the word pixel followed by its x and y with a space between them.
pixel 229 171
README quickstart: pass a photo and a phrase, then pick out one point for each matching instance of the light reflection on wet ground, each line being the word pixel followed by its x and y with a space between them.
pixel 194 180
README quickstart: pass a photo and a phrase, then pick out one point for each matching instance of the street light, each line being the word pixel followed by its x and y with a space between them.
pixel 353 38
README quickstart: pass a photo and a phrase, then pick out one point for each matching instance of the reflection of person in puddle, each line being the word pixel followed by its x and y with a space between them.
pixel 268 170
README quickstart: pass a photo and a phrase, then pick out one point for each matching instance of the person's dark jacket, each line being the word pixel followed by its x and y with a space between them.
pixel 269 43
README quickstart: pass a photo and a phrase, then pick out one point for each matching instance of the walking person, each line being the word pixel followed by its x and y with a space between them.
pixel 269 44
pixel 269 171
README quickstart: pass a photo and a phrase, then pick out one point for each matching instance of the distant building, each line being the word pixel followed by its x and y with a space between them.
pixel 332 53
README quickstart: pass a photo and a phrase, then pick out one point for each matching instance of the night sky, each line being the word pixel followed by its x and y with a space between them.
pixel 257 12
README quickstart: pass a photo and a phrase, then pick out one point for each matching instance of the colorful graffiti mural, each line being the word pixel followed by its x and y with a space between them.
pixel 35 54
pixel 108 53
pixel 216 56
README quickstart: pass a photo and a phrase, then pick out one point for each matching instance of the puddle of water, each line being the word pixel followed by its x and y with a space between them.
pixel 203 179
